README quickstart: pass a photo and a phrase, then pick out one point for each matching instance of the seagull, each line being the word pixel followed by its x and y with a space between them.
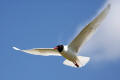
pixel 70 52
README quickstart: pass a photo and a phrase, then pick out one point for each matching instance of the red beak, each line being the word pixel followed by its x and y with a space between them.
pixel 56 48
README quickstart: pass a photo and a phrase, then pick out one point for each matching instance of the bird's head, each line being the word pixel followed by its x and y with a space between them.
pixel 60 48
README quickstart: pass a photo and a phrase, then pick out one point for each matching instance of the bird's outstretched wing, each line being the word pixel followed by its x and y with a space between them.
pixel 41 51
pixel 87 32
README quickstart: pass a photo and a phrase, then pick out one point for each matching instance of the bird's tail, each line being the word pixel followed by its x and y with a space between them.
pixel 83 62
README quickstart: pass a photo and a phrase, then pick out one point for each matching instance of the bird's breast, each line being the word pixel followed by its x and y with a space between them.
pixel 68 54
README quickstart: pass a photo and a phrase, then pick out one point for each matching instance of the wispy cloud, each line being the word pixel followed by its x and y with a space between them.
pixel 105 44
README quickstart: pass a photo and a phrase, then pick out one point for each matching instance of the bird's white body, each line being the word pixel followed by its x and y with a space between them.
pixel 68 54
pixel 72 58
pixel 70 51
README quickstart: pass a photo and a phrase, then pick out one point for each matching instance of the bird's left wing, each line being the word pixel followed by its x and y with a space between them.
pixel 41 51
pixel 87 32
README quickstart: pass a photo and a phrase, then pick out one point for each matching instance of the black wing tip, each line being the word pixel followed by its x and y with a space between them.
pixel 109 5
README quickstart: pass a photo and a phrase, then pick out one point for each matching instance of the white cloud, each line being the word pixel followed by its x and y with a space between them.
pixel 105 44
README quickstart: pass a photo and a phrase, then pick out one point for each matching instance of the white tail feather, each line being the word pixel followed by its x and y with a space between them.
pixel 83 62
pixel 69 63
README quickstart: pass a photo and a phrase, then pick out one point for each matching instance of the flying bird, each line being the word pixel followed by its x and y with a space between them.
pixel 70 51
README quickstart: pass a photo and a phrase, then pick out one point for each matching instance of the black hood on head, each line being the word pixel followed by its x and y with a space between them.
pixel 60 48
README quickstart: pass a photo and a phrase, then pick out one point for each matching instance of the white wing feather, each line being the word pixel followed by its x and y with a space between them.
pixel 41 51
pixel 88 31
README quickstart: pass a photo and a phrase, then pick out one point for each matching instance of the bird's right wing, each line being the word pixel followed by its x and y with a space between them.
pixel 41 51
pixel 87 32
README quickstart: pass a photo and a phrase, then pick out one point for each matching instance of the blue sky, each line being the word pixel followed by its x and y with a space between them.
pixel 30 24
